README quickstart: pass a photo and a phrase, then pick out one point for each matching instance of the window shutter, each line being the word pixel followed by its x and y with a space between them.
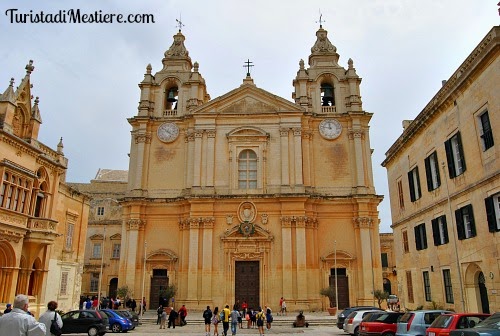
pixel 417 238
pixel 460 224
pixel 428 173
pixel 490 214
pixel 418 182
pixel 424 237
pixel 461 150
pixel 445 229
pixel 472 223
pixel 412 187
pixel 435 231
pixel 438 175
pixel 449 158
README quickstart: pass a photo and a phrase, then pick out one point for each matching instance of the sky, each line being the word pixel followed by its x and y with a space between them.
pixel 86 74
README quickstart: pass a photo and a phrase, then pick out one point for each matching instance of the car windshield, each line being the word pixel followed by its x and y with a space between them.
pixel 492 322
pixel 430 317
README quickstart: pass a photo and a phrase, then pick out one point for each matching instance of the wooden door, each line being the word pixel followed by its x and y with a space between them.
pixel 159 282
pixel 247 285
pixel 342 288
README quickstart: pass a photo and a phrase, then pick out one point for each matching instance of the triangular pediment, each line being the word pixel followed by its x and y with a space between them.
pixel 248 99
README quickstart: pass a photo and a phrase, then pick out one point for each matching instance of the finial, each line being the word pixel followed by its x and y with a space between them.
pixel 60 147
pixel 320 20
pixel 37 100
pixel 149 68
pixel 196 66
pixel 350 63
pixel 247 65
pixel 11 83
pixel 29 67
pixel 301 64
pixel 179 23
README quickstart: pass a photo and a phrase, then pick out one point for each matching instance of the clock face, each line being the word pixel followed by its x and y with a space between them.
pixel 330 129
pixel 168 132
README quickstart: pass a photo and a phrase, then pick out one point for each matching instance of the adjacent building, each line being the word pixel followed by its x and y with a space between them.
pixel 444 184
pixel 250 196
pixel 43 221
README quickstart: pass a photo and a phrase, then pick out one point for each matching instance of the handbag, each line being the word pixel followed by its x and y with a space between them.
pixel 54 327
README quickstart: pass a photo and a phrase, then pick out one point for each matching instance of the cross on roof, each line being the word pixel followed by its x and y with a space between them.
pixel 247 65
pixel 179 23
pixel 320 20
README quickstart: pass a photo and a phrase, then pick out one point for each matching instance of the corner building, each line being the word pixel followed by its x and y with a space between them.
pixel 242 197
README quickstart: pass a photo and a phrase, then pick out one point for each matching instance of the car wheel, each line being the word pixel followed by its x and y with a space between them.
pixel 93 331
pixel 356 331
pixel 388 334
pixel 116 328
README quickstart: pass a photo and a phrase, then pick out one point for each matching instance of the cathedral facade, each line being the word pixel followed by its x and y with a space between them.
pixel 250 196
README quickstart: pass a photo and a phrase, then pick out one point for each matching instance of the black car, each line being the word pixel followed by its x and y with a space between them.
pixel 347 311
pixel 132 316
pixel 488 327
pixel 92 322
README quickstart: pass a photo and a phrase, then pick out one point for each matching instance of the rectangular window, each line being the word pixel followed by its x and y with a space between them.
pixel 100 211
pixel 247 169
pixel 401 195
pixel 116 250
pixel 440 231
pixel 466 228
pixel 409 286
pixel 432 171
pixel 493 212
pixel 420 237
pixel 96 250
pixel 69 236
pixel 64 283
pixel 14 192
pixel 94 282
pixel 455 155
pixel 406 246
pixel 385 262
pixel 427 286
pixel 448 289
pixel 487 134
pixel 414 182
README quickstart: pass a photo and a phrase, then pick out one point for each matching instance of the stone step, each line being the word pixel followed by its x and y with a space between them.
pixel 276 322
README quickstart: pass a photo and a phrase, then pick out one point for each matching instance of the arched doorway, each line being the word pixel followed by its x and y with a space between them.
pixel 7 257
pixel 483 293
pixel 35 278
pixel 113 286
pixel 387 286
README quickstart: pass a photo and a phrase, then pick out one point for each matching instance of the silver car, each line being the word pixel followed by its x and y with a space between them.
pixel 415 323
pixel 352 321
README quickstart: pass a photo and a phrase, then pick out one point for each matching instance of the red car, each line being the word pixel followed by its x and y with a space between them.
pixel 445 323
pixel 384 325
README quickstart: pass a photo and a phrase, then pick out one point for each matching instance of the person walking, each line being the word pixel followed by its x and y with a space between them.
pixel 183 313
pixel 260 317
pixel 159 312
pixel 269 318
pixel 225 321
pixel 8 308
pixel 207 316
pixel 19 322
pixel 215 321
pixel 235 315
pixel 283 307
pixel 50 315
pixel 172 317
pixel 163 318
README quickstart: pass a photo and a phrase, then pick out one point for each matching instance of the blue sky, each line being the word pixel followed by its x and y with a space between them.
pixel 86 75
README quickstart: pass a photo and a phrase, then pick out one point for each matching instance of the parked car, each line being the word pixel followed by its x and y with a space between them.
pixel 117 322
pixel 415 323
pixel 341 317
pixel 92 322
pixel 351 323
pixel 445 323
pixel 132 316
pixel 384 325
pixel 489 327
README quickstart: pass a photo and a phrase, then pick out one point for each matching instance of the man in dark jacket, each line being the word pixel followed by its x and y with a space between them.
pixel 207 316
pixel 172 317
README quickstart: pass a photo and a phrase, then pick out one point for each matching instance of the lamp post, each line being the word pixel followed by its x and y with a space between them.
pixel 100 273
pixel 459 271
pixel 336 287
pixel 143 279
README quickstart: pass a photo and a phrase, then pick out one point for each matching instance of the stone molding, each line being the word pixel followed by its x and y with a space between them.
pixel 10 236
pixel 363 222
pixel 299 221
pixel 197 223
pixel 135 224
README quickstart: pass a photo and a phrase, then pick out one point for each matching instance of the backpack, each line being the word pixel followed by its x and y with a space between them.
pixel 222 315
pixel 206 314
pixel 54 327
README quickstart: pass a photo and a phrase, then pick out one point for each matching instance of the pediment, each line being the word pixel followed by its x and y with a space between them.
pixel 116 237
pixel 97 237
pixel 259 234
pixel 248 99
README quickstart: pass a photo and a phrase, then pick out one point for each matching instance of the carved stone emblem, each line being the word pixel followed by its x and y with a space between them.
pixel 247 212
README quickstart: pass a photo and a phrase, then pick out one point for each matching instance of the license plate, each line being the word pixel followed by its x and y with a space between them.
pixel 432 333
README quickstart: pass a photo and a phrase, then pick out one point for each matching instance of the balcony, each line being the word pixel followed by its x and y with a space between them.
pixel 41 230
pixel 328 109
pixel 170 113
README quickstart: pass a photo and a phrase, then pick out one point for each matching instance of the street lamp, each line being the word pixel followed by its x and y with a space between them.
pixel 454 241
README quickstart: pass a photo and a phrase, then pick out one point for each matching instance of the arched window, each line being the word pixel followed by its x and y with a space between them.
pixel 171 98
pixel 247 170
pixel 327 96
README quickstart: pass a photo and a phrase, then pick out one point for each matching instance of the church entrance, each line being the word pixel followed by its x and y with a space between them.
pixel 247 283
pixel 159 282
pixel 342 286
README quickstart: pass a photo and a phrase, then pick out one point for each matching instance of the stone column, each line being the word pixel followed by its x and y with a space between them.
pixel 135 251
pixel 365 270
pixel 190 159
pixel 192 284
pixel 297 138
pixel 206 268
pixel 198 138
pixel 141 139
pixel 210 158
pixel 285 177
pixel 301 256
pixel 286 251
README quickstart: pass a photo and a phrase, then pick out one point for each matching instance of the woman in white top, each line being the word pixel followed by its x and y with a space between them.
pixel 47 317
